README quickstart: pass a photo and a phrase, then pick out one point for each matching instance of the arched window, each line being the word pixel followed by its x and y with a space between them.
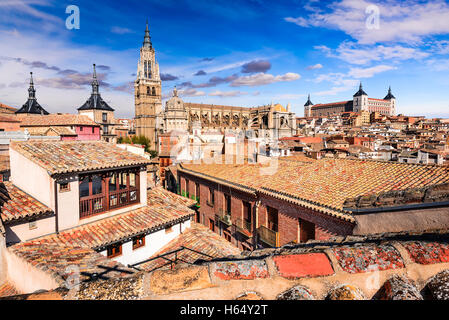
pixel 148 91
pixel 154 91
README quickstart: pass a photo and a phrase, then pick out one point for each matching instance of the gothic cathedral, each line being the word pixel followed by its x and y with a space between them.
pixel 147 92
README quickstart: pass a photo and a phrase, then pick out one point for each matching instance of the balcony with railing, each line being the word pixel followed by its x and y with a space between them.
pixel 224 217
pixel 268 236
pixel 110 191
pixel 244 227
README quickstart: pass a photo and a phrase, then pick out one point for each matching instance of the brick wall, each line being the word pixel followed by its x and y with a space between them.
pixel 289 215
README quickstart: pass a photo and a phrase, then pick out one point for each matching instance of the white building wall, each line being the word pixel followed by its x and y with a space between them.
pixel 153 243
pixel 31 178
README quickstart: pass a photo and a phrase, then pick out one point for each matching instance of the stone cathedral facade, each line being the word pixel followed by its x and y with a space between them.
pixel 147 92
pixel 269 121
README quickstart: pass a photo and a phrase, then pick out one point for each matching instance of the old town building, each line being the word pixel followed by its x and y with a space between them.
pixel 32 107
pixel 66 126
pixel 361 102
pixel 301 199
pixel 100 112
pixel 86 205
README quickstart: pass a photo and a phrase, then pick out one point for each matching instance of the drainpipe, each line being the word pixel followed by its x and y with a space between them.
pixel 56 207
pixel 256 224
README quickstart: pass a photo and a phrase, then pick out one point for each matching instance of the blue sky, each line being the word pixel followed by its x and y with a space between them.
pixel 243 53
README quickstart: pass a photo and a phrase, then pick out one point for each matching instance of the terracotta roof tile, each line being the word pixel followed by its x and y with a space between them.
pixel 16 204
pixel 76 246
pixel 76 156
pixel 325 184
pixel 198 238
pixel 7 290
pixel 55 120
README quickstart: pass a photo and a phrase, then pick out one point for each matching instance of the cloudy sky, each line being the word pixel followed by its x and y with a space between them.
pixel 243 53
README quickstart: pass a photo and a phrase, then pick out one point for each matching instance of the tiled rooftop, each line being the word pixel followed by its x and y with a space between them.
pixel 76 246
pixel 16 204
pixel 324 184
pixel 46 131
pixel 198 238
pixel 158 213
pixel 6 290
pixel 163 196
pixel 76 156
pixel 56 120
pixel 4 163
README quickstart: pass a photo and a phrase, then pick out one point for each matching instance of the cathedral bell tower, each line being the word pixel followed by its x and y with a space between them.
pixel 147 92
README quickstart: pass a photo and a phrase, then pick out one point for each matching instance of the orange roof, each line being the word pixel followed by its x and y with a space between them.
pixel 198 238
pixel 7 107
pixel 324 184
pixel 330 104
pixel 55 120
pixel 76 156
pixel 16 204
pixel 8 119
pixel 76 246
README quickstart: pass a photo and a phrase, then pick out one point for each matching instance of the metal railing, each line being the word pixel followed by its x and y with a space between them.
pixel 171 262
pixel 223 217
pixel 244 226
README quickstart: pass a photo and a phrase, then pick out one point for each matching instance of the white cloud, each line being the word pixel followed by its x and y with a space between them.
pixel 260 79
pixel 438 64
pixel 191 93
pixel 120 30
pixel 409 22
pixel 354 53
pixel 369 72
pixel 219 93
pixel 316 66
pixel 52 92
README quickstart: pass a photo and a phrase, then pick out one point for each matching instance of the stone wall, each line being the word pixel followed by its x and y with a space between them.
pixel 401 268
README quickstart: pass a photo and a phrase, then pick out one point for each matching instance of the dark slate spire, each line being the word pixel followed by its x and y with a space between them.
pixel 308 103
pixel 360 92
pixel 147 39
pixel 389 96
pixel 95 84
pixel 95 101
pixel 32 106
pixel 31 90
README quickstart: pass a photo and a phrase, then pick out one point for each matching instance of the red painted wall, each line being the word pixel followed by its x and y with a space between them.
pixel 85 133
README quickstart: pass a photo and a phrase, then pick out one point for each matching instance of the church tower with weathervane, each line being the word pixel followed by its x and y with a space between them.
pixel 147 93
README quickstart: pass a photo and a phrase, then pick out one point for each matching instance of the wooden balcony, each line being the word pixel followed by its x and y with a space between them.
pixel 110 195
pixel 268 236
pixel 92 205
pixel 244 227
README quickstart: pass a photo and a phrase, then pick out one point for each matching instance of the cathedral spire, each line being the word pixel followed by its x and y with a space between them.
pixel 95 84
pixel 175 92
pixel 147 38
pixel 31 90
